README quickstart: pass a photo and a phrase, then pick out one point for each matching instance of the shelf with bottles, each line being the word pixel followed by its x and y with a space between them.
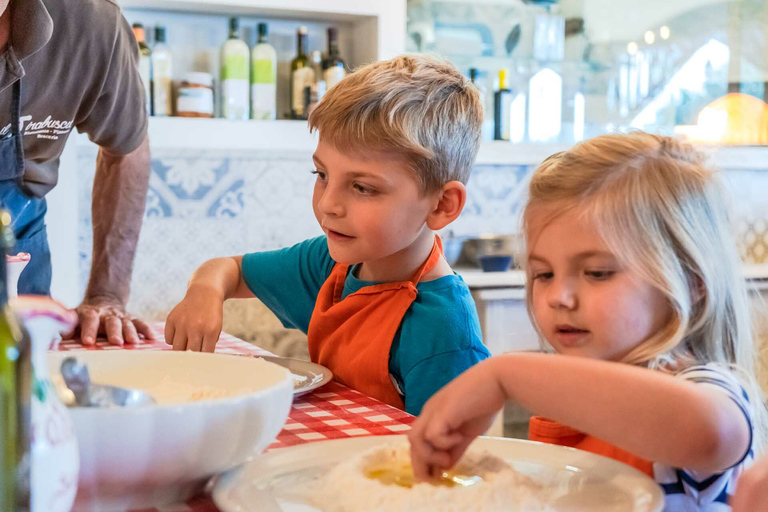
pixel 197 43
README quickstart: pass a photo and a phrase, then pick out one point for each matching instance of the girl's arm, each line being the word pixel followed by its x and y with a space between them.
pixel 651 414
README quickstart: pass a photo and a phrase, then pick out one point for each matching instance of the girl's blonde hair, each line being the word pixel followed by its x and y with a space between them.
pixel 661 211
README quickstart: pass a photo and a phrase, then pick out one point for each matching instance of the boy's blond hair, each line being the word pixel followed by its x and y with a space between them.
pixel 418 106
pixel 663 213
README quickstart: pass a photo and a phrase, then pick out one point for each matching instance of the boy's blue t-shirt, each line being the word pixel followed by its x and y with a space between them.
pixel 438 338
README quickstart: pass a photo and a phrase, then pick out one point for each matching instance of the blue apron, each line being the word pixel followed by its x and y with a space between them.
pixel 27 213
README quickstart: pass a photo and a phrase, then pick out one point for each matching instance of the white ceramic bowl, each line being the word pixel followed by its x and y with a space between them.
pixel 155 455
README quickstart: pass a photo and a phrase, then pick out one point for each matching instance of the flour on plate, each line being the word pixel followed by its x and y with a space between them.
pixel 346 488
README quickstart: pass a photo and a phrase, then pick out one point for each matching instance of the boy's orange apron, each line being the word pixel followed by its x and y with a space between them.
pixel 548 431
pixel 352 337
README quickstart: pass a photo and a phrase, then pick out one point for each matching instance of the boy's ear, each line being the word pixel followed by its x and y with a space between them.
pixel 448 204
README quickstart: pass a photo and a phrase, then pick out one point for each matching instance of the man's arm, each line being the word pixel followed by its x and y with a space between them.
pixel 119 198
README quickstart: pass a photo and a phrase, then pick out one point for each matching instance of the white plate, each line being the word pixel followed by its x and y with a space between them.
pixel 576 481
pixel 311 375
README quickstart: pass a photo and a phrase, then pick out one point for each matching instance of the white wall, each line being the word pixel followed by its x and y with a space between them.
pixel 609 20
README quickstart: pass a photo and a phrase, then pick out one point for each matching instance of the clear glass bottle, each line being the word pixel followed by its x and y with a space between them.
pixel 263 77
pixel 235 57
pixel 145 64
pixel 487 127
pixel 162 75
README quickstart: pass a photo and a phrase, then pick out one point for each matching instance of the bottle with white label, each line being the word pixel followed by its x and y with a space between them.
pixel 162 65
pixel 145 64
pixel 333 66
pixel 235 57
pixel 263 78
pixel 302 75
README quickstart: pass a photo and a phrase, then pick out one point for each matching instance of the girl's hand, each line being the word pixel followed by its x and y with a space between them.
pixel 453 418
pixel 752 489
pixel 195 323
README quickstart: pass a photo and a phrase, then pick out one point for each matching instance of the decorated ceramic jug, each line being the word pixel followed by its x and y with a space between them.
pixel 54 452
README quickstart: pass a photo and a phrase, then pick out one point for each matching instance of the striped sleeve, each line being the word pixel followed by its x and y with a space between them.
pixel 688 490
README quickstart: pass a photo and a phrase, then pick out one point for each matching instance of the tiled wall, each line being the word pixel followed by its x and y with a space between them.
pixel 207 204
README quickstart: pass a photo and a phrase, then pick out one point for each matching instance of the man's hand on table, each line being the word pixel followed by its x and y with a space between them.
pixel 103 317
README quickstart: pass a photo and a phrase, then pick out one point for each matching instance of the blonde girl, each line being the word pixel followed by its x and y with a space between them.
pixel 635 282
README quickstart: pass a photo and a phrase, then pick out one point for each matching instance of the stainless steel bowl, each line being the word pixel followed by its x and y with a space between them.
pixel 488 245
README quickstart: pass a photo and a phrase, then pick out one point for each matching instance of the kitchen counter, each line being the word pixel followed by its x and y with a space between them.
pixel 476 279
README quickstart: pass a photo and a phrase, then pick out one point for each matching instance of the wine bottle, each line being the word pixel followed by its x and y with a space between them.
pixel 15 393
pixel 263 78
pixel 145 64
pixel 302 75
pixel 162 75
pixel 235 56
pixel 501 108
pixel 333 66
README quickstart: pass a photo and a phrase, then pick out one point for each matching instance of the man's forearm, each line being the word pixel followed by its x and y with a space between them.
pixel 119 198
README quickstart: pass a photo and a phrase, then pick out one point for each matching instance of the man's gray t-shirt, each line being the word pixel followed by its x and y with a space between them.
pixel 79 61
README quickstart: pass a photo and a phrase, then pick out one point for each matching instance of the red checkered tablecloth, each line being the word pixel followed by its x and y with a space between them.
pixel 331 412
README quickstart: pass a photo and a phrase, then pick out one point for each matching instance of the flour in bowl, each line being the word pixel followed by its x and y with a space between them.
pixel 357 485
pixel 170 391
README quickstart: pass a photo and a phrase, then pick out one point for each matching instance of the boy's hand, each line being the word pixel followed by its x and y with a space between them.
pixel 453 418
pixel 195 323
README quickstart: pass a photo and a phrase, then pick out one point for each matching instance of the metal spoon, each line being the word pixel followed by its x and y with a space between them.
pixel 87 394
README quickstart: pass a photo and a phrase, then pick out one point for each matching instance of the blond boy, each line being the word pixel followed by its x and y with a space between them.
pixel 379 303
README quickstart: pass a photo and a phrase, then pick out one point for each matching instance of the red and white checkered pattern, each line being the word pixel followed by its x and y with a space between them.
pixel 227 344
pixel 331 412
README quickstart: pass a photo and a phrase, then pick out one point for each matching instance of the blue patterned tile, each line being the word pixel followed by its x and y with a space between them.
pixel 156 207
pixel 190 178
pixel 230 204
pixel 250 201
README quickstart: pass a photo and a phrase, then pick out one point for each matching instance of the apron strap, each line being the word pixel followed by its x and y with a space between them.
pixel 339 273
pixel 431 261
pixel 16 107
pixel 18 169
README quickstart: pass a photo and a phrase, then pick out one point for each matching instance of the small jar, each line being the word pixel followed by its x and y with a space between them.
pixel 195 98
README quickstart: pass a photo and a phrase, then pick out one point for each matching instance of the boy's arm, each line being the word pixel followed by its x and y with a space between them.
pixel 195 323
pixel 222 277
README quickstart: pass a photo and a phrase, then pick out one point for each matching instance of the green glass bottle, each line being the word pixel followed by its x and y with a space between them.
pixel 15 392
pixel 302 75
